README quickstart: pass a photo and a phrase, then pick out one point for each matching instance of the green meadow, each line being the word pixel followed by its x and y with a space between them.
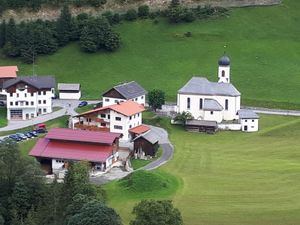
pixel 227 178
pixel 262 42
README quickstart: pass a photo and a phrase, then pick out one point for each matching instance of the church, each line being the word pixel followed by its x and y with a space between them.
pixel 218 102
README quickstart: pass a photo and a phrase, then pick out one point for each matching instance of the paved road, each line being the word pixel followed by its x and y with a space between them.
pixel 68 108
pixel 281 112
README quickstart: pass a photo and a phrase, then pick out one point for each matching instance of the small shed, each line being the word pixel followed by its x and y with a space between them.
pixel 249 120
pixel 146 145
pixel 201 126
pixel 69 91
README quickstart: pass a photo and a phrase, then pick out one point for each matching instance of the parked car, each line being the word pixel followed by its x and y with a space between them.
pixel 15 137
pixel 2 104
pixel 33 133
pixel 98 105
pixel 40 131
pixel 22 136
pixel 82 104
pixel 28 135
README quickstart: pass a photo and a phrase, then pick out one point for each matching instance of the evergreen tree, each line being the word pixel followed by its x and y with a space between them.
pixel 1 220
pixel 2 33
pixel 64 26
pixel 11 47
pixel 95 213
pixel 112 41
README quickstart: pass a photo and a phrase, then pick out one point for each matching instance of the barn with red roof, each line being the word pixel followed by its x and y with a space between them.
pixel 62 145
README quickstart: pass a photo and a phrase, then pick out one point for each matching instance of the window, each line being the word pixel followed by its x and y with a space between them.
pixel 142 97
pixel 11 94
pixel 108 117
pixel 136 99
pixel 103 124
pixel 17 103
pixel 252 120
pixel 226 104
pixel 252 126
pixel 118 127
pixel 246 120
pixel 32 103
pixel 201 103
pixel 44 101
pixel 211 112
pixel 130 117
pixel 27 103
pixel 130 126
pixel 25 95
pixel 223 73
pixel 44 92
pixel 11 103
pixel 116 101
pixel 103 115
pixel 89 120
pixel 118 118
pixel 39 93
pixel 32 94
pixel 40 102
pixel 44 110
pixel 107 99
pixel 188 103
pixel 17 95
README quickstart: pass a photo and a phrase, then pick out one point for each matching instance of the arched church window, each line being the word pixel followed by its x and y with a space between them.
pixel 223 73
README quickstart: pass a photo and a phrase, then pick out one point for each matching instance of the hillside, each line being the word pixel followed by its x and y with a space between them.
pixel 51 13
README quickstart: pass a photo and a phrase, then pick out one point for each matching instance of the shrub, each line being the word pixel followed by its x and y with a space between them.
pixel 116 18
pixel 131 15
pixel 109 16
pixel 143 11
pixel 188 34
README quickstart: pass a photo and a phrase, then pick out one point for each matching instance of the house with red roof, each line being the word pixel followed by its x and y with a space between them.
pixel 6 73
pixel 117 118
pixel 62 145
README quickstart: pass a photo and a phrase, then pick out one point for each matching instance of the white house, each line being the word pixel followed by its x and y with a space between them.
pixel 248 120
pixel 212 101
pixel 6 73
pixel 69 91
pixel 29 96
pixel 116 118
pixel 124 92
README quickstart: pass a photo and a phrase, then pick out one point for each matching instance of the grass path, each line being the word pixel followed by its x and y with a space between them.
pixel 263 43
pixel 232 177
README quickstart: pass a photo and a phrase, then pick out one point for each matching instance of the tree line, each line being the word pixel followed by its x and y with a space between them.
pixel 27 199
pixel 30 39
pixel 36 4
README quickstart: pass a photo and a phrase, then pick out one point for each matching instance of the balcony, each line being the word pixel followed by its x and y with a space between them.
pixel 90 127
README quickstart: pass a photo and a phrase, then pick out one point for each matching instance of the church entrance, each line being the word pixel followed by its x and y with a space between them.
pixel 245 128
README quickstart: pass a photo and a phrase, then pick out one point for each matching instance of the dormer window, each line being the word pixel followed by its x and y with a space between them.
pixel 21 87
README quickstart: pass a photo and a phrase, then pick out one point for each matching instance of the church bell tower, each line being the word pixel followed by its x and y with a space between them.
pixel 224 69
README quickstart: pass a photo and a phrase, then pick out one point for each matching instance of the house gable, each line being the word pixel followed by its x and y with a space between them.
pixel 113 93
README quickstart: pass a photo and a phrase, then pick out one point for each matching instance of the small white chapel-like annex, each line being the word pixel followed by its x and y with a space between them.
pixel 217 102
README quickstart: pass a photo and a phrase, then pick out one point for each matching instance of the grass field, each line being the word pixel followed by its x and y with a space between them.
pixel 3 120
pixel 231 177
pixel 263 43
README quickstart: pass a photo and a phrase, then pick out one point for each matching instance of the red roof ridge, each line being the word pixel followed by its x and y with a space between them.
pixel 8 71
pixel 139 129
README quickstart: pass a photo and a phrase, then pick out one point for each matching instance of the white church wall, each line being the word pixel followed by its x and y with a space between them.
pixel 249 125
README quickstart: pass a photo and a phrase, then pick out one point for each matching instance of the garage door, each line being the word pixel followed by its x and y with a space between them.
pixel 16 114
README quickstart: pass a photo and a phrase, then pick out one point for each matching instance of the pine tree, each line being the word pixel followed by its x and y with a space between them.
pixel 2 33
pixel 63 26
pixel 11 47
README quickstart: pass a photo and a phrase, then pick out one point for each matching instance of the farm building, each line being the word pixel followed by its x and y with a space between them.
pixel 69 91
pixel 62 145
pixel 146 145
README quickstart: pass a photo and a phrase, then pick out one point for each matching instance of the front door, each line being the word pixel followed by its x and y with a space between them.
pixel 245 128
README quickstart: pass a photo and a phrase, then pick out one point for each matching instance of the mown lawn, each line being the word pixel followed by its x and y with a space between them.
pixel 231 177
pixel 263 43
pixel 3 120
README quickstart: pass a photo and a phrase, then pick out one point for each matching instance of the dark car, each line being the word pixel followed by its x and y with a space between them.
pixel 82 104
pixel 2 104
pixel 33 133
pixel 40 131
pixel 15 137
pixel 28 135
pixel 98 105
pixel 22 136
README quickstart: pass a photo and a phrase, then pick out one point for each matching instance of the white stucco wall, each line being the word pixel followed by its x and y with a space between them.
pixel 110 101
pixel 250 124
pixel 230 127
pixel 226 77
pixel 230 114
pixel 57 164
pixel 34 103
pixel 76 96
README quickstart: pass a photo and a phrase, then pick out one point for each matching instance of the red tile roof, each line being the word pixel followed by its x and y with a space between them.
pixel 127 108
pixel 71 150
pixel 8 71
pixel 139 129
pixel 66 134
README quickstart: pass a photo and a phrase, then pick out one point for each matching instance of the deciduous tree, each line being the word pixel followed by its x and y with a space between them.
pixel 156 99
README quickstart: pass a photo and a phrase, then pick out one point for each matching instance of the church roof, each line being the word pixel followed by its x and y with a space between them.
pixel 224 61
pixel 202 86
pixel 212 105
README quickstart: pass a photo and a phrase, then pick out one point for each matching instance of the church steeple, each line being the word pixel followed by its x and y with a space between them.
pixel 224 69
